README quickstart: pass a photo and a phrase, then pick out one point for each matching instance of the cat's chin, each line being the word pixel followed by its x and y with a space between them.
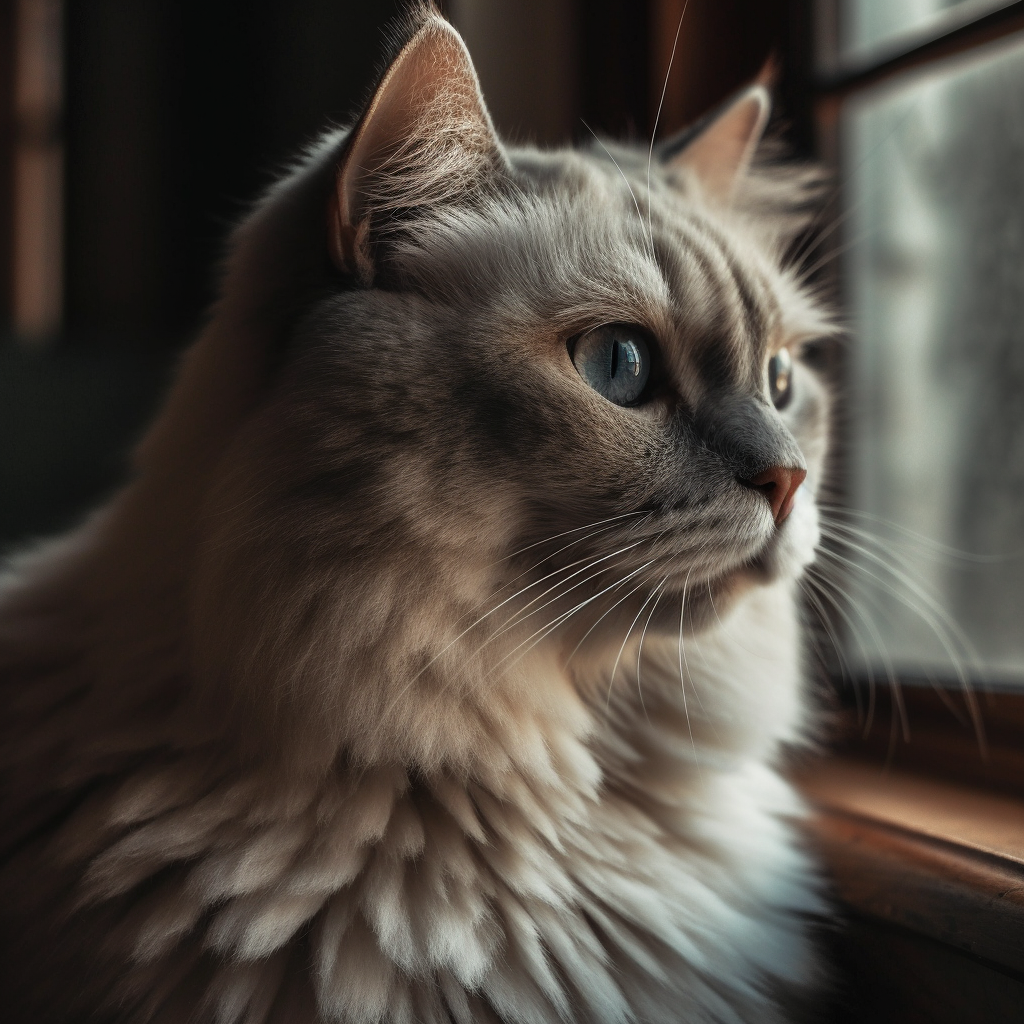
pixel 783 557
pixel 788 551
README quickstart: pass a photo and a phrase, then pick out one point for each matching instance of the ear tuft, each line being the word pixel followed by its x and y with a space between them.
pixel 718 150
pixel 426 138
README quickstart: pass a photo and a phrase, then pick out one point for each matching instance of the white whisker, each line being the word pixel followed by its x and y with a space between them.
pixel 819 572
pixel 565 533
pixel 605 614
pixel 946 626
pixel 640 648
pixel 683 676
pixel 476 622
pixel 648 241
pixel 618 657
pixel 657 119
pixel 810 584
pixel 564 616
pixel 927 543
pixel 590 565
pixel 946 630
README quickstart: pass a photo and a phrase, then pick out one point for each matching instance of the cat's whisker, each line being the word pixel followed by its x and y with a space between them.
pixel 640 648
pixel 553 554
pixel 603 615
pixel 833 254
pixel 811 585
pixel 657 119
pixel 843 536
pixel 545 630
pixel 519 593
pixel 905 578
pixel 834 512
pixel 405 689
pixel 815 238
pixel 556 571
pixel 565 533
pixel 852 538
pixel 476 622
pixel 929 610
pixel 564 616
pixel 693 682
pixel 547 576
pixel 648 241
pixel 879 646
pixel 523 615
pixel 821 625
pixel 819 573
pixel 618 657
pixel 640 523
pixel 899 724
pixel 684 675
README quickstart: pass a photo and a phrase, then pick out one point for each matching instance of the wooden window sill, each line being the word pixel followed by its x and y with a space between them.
pixel 940 859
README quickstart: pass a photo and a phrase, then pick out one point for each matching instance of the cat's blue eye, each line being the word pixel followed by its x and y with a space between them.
pixel 780 378
pixel 615 361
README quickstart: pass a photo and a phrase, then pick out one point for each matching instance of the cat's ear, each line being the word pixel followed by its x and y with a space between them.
pixel 719 148
pixel 425 138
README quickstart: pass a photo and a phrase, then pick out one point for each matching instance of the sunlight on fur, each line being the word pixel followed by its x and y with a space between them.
pixel 413 676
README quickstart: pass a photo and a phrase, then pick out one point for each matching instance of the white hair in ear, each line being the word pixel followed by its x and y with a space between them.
pixel 425 138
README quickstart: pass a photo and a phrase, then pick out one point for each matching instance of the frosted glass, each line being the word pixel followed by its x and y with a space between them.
pixel 934 176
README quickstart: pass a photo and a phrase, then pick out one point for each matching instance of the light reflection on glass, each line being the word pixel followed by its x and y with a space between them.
pixel 866 26
pixel 934 168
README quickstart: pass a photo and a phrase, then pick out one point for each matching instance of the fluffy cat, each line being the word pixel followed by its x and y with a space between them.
pixel 434 662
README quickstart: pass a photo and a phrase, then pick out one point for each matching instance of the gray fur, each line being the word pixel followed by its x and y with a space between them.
pixel 410 679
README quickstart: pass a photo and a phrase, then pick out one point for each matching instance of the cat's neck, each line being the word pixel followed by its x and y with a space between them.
pixel 115 596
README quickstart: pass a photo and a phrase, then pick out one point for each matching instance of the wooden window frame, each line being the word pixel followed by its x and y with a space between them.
pixel 920 798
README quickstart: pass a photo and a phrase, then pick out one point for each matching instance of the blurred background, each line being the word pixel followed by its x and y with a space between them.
pixel 134 134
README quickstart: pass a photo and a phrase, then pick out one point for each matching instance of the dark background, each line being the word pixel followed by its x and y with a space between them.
pixel 178 113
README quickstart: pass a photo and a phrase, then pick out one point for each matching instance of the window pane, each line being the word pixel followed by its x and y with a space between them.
pixel 934 168
pixel 869 26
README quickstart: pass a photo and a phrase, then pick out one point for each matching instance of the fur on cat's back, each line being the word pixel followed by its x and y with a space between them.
pixel 411 677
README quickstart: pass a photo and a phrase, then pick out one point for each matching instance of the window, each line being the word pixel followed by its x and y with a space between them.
pixel 921 104
pixel 932 164
pixel 930 147
pixel 866 29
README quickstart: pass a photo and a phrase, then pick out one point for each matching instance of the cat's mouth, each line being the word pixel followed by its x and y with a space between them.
pixel 789 550
pixel 644 574
pixel 783 555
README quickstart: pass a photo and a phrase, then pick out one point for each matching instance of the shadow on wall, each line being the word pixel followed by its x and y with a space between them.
pixel 68 420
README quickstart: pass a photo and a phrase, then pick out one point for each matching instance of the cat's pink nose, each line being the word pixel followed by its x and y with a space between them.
pixel 779 485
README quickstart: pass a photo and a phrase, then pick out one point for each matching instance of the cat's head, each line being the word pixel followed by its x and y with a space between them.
pixel 506 398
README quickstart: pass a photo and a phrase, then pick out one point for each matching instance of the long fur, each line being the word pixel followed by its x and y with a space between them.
pixel 408 679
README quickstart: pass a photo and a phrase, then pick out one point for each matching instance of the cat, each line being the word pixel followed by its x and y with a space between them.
pixel 436 661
